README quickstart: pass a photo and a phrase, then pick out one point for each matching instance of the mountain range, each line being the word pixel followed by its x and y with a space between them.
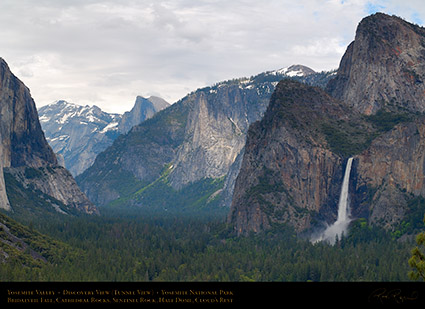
pixel 371 111
pixel 269 150
pixel 272 153
pixel 186 155
pixel 78 133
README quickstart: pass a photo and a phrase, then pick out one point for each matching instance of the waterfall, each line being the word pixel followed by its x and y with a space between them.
pixel 341 224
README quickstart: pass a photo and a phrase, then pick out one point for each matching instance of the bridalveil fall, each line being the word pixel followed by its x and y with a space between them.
pixel 340 226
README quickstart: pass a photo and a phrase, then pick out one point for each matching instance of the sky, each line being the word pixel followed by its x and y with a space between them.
pixel 105 53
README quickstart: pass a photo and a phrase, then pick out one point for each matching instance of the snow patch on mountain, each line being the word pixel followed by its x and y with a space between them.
pixel 79 133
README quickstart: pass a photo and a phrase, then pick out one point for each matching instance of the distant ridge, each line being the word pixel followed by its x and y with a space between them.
pixel 191 146
pixel 78 133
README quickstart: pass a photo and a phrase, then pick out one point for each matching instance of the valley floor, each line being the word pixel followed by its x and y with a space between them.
pixel 188 248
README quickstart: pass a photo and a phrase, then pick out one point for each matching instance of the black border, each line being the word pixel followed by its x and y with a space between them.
pixel 210 293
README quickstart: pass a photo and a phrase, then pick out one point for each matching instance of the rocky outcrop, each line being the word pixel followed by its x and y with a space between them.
pixel 389 173
pixel 57 182
pixel 289 172
pixel 292 168
pixel 23 141
pixel 137 158
pixel 23 146
pixel 79 133
pixel 143 109
pixel 4 200
pixel 218 122
pixel 382 74
pixel 384 66
pixel 195 139
pixel 230 181
pixel 292 174
pixel 215 132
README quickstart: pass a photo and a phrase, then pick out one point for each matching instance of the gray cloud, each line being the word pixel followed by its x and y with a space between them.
pixel 107 52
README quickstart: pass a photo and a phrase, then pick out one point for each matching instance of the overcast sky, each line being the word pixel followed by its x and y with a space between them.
pixel 108 52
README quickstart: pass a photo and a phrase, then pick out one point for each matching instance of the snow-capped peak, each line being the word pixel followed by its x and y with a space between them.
pixel 296 70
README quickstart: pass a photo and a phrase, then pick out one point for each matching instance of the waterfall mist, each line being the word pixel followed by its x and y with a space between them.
pixel 340 226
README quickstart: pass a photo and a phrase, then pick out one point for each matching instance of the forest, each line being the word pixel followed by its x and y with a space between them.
pixel 154 247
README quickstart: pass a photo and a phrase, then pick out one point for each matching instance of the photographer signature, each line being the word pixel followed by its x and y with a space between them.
pixel 393 295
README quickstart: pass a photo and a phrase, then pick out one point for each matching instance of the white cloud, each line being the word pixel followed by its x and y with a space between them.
pixel 107 52
pixel 412 10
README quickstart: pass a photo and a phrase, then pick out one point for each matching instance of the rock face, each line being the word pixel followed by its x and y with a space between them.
pixel 385 65
pixel 143 109
pixel 80 133
pixel 23 146
pixel 390 173
pixel 217 124
pixel 23 141
pixel 195 139
pixel 382 74
pixel 215 132
pixel 291 172
pixel 199 136
pixel 137 158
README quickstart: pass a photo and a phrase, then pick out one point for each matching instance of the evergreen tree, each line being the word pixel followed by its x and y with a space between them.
pixel 417 261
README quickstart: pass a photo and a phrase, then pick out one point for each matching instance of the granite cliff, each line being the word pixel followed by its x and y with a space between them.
pixel 25 153
pixel 79 133
pixel 143 109
pixel 294 157
pixel 389 176
pixel 292 167
pixel 384 66
pixel 215 131
pixel 192 145
pixel 381 75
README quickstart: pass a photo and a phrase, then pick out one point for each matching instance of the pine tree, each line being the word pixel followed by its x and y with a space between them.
pixel 417 261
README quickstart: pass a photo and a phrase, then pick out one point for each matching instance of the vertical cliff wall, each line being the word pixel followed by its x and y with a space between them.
pixel 23 146
pixel 289 171
pixel 390 173
pixel 384 66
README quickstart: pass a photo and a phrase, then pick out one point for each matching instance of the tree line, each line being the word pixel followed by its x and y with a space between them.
pixel 158 248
